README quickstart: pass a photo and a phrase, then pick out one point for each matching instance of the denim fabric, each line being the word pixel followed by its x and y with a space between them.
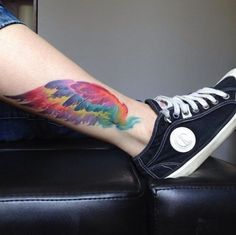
pixel 7 18
pixel 16 124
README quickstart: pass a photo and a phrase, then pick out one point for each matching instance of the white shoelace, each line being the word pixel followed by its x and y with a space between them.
pixel 182 104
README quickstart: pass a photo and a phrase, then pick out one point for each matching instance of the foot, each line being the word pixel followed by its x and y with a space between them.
pixel 188 129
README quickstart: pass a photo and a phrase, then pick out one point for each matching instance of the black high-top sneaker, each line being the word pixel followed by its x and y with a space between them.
pixel 188 129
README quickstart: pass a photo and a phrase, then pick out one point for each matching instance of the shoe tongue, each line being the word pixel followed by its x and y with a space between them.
pixel 157 106
pixel 229 80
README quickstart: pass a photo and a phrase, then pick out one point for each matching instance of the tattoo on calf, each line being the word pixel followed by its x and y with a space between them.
pixel 78 102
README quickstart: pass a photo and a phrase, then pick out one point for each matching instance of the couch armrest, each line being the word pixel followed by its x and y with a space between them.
pixel 203 203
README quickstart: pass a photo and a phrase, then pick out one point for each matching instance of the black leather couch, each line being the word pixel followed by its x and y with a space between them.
pixel 86 187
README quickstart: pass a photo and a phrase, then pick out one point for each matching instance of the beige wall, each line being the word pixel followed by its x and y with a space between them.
pixel 147 47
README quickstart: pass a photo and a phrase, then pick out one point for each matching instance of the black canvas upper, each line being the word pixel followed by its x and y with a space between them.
pixel 159 159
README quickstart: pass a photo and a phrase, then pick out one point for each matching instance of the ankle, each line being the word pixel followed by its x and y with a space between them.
pixel 136 139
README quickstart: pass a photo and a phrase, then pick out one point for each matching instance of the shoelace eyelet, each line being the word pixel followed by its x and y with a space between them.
pixel 226 97
pixel 196 110
pixel 175 116
pixel 186 113
pixel 216 102
pixel 206 107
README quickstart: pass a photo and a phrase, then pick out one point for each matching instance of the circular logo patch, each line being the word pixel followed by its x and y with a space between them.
pixel 182 139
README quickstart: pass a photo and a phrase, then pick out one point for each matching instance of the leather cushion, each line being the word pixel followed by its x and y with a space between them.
pixel 69 188
pixel 203 203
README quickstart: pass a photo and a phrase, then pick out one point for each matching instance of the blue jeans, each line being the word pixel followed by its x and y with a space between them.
pixel 16 124
pixel 7 18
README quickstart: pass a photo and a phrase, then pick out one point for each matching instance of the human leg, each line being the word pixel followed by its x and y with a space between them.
pixel 163 135
pixel 29 62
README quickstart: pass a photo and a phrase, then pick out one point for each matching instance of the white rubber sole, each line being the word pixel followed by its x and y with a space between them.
pixel 232 72
pixel 190 166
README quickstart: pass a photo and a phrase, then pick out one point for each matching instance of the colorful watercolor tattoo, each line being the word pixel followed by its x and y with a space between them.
pixel 78 102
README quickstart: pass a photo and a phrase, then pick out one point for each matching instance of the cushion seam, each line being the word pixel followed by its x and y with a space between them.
pixel 229 188
pixel 68 199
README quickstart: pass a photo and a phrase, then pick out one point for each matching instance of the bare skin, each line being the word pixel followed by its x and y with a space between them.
pixel 29 63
